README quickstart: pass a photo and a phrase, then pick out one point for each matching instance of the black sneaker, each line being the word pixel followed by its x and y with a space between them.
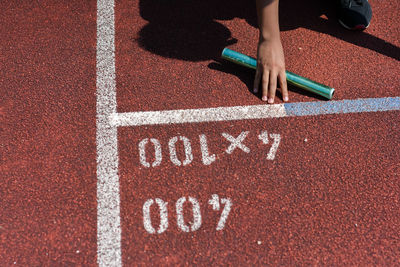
pixel 354 14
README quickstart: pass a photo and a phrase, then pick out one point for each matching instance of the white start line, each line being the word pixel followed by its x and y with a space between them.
pixel 108 120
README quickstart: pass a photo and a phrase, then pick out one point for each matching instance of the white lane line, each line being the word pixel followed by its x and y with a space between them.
pixel 108 198
pixel 255 112
pixel 198 115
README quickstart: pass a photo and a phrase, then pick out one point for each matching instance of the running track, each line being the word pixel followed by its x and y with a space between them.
pixel 126 141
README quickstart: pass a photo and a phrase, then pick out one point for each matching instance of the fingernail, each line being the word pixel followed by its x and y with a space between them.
pixel 286 99
pixel 271 100
pixel 264 98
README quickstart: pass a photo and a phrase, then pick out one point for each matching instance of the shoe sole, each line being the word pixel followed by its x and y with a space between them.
pixel 355 28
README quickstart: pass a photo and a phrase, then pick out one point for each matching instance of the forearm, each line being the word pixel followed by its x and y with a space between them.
pixel 268 19
pixel 270 70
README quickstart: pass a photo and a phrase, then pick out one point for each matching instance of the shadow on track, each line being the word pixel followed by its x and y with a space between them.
pixel 189 29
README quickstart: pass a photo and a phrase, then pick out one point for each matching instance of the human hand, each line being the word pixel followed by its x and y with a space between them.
pixel 270 70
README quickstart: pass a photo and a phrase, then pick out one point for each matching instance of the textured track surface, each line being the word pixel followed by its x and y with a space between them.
pixel 329 196
pixel 48 133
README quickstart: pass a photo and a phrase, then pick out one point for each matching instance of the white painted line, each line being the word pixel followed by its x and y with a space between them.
pixel 198 115
pixel 108 198
pixel 254 112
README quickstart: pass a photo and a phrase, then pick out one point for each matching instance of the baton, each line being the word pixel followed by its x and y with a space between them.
pixel 291 77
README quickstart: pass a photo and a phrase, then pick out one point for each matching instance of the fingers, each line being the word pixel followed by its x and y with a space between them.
pixel 270 80
pixel 283 86
pixel 272 87
pixel 257 79
pixel 265 83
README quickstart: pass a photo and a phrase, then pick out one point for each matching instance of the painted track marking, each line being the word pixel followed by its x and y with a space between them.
pixel 108 198
pixel 254 112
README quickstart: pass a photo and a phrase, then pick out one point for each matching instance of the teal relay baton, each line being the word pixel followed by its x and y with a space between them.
pixel 291 77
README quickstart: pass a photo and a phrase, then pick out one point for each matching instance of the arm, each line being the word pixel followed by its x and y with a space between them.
pixel 270 58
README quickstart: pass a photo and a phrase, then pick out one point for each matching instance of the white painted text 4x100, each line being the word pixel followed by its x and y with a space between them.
pixel 207 158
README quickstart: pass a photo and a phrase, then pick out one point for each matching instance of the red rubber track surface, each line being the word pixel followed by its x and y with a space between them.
pixel 48 133
pixel 330 196
pixel 324 201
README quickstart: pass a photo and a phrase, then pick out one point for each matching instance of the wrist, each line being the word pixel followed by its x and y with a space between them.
pixel 269 37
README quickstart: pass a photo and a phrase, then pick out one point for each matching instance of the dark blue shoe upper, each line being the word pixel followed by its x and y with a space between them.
pixel 354 14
